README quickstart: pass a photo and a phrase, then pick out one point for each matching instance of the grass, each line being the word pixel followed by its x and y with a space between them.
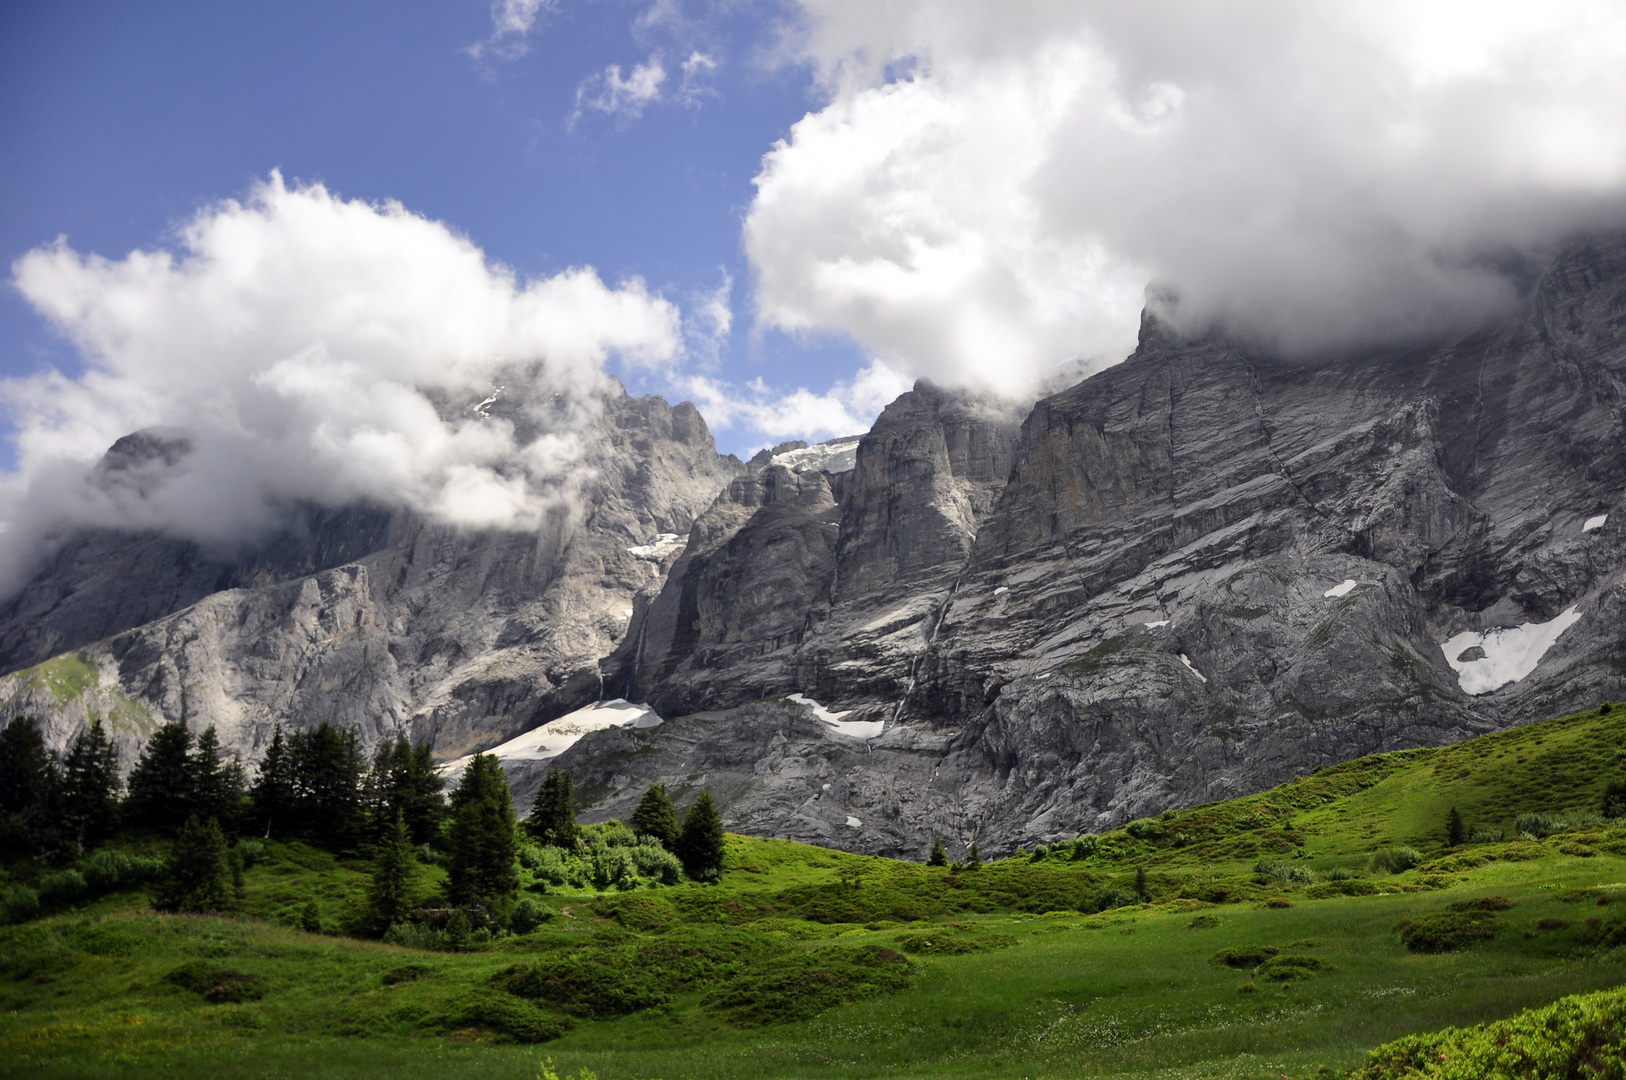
pixel 812 963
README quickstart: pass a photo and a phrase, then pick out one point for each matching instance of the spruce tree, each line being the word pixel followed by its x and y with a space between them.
pixel 973 857
pixel 273 792
pixel 161 783
pixel 939 855
pixel 484 871
pixel 395 872
pixel 1455 830
pixel 553 814
pixel 197 875
pixel 30 790
pixel 329 768
pixel 405 780
pixel 700 844
pixel 90 785
pixel 217 786
pixel 656 817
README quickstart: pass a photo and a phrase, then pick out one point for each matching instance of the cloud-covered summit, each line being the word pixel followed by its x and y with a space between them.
pixel 990 188
pixel 298 346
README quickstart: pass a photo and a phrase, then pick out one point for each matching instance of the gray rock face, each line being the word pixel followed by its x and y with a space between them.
pixel 1187 577
pixel 362 616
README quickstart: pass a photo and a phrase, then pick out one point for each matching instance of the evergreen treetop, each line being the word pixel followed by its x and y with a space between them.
pixel 656 817
pixel 395 872
pixel 197 874
pixel 939 855
pixel 484 871
pixel 90 784
pixel 700 844
pixel 553 814
pixel 161 783
pixel 30 789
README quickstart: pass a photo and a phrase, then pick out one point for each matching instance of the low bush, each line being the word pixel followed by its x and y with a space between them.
pixel 946 941
pixel 1448 931
pixel 63 887
pixel 1482 903
pixel 1341 873
pixel 1084 847
pixel 216 983
pixel 583 984
pixel 1485 836
pixel 655 863
pixel 1243 956
pixel 415 936
pixel 1395 860
pixel 511 1017
pixel 637 911
pixel 1114 897
pixel 1285 873
pixel 1551 922
pixel 1536 826
pixel 250 851
pixel 404 974
pixel 528 915
pixel 1287 968
pixel 1203 922
pixel 1145 829
pixel 799 986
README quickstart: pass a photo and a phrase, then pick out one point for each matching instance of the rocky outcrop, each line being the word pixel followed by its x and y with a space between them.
pixel 1190 576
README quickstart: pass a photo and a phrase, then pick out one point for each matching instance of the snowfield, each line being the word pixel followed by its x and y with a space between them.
pixel 835 456
pixel 556 736
pixel 858 729
pixel 1509 654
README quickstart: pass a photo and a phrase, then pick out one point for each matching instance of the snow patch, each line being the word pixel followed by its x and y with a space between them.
pixel 484 408
pixel 835 456
pixel 1186 660
pixel 1594 523
pixel 1509 654
pixel 556 736
pixel 858 729
pixel 854 822
pixel 657 549
pixel 1341 589
pixel 1158 625
pixel 1002 590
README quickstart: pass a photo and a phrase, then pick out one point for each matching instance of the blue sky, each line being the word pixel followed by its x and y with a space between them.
pixel 121 120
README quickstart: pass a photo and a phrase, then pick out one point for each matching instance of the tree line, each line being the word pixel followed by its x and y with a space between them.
pixel 318 785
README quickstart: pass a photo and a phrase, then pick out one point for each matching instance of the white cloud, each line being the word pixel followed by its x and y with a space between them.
pixel 697 72
pixel 625 99
pixel 511 23
pixel 311 348
pixel 991 187
pixel 847 408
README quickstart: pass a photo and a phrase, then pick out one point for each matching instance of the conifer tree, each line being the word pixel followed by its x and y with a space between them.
pixel 484 871
pixel 1140 882
pixel 1455 830
pixel 197 874
pixel 30 789
pixel 161 783
pixel 328 771
pixel 973 857
pixel 939 855
pixel 656 817
pixel 553 814
pixel 404 780
pixel 217 786
pixel 273 792
pixel 395 872
pixel 90 785
pixel 700 844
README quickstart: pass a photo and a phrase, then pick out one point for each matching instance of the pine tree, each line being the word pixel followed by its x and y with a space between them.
pixel 197 875
pixel 405 780
pixel 656 817
pixel 484 872
pixel 1455 831
pixel 161 783
pixel 395 871
pixel 939 855
pixel 973 857
pixel 217 786
pixel 329 768
pixel 273 792
pixel 90 785
pixel 700 844
pixel 553 814
pixel 30 790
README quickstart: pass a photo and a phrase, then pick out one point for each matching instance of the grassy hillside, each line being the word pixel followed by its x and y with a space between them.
pixel 1268 944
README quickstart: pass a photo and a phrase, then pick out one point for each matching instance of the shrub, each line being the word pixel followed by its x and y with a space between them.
pixel 1485 836
pixel 528 915
pixel 547 863
pixel 1341 873
pixel 216 983
pixel 1243 956
pixel 656 863
pixel 946 941
pixel 310 918
pixel 1287 875
pixel 1448 931
pixel 642 911
pixel 1114 897
pixel 105 869
pixel 1551 923
pixel 1286 968
pixel 251 852
pixel 583 984
pixel 509 1016
pixel 1483 903
pixel 614 867
pixel 63 887
pixel 1039 853
pixel 1614 799
pixel 415 936
pixel 405 973
pixel 1203 922
pixel 1144 829
pixel 802 985
pixel 1085 846
pixel 1536 826
pixel 20 903
pixel 1395 860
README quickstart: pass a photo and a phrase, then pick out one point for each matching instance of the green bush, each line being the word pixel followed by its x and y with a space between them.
pixel 1285 873
pixel 20 903
pixel 1243 956
pixel 1085 846
pixel 1114 897
pixel 528 915
pixel 637 911
pixel 613 867
pixel 517 1020
pixel 1144 829
pixel 1537 826
pixel 216 983
pixel 1287 968
pixel 1579 1036
pixel 251 852
pixel 404 974
pixel 656 863
pixel 1341 873
pixel 1485 836
pixel 1203 922
pixel 583 984
pixel 799 986
pixel 1448 931
pixel 1395 860
pixel 1482 903
pixel 948 941
pixel 63 887
pixel 415 936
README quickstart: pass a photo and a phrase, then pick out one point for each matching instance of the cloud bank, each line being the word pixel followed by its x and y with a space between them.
pixel 310 348
pixel 991 188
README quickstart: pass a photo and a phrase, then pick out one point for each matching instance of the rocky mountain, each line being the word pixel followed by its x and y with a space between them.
pixel 1187 577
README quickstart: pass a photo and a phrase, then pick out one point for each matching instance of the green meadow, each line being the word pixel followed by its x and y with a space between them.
pixel 1258 937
